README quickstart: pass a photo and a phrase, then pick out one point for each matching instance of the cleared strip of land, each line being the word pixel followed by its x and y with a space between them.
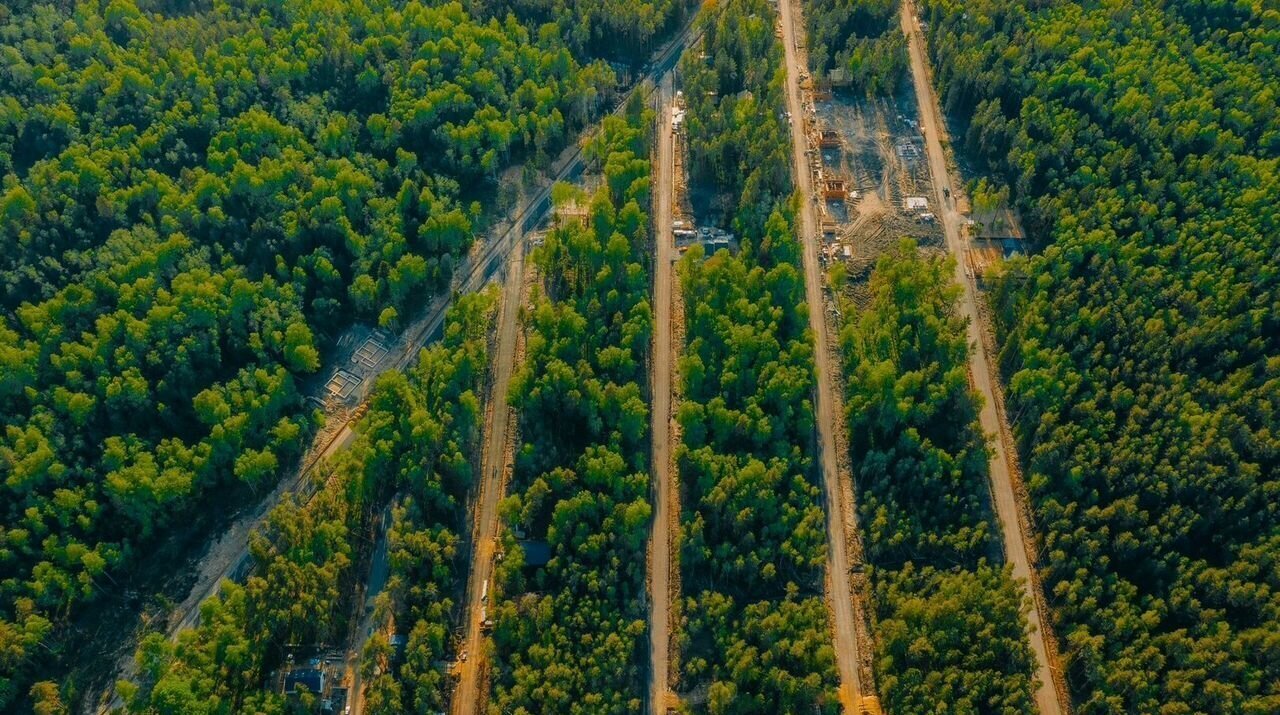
pixel 828 421
pixel 1050 695
pixel 660 562
pixel 494 464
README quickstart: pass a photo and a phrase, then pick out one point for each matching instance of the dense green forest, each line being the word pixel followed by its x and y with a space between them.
pixel 949 627
pixel 1142 345
pixel 755 635
pixel 618 31
pixel 196 198
pixel 568 636
pixel 428 432
pixel 733 89
pixel 416 441
pixel 861 37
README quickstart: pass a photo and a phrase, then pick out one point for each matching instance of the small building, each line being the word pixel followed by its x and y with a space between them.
pixel 984 254
pixel 714 238
pixel 997 224
pixel 536 552
pixel 310 678
pixel 916 203
pixel 399 642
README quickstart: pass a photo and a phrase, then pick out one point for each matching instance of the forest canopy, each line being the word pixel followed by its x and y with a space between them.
pixel 950 627
pixel 861 39
pixel 567 634
pixel 415 442
pixel 755 633
pixel 196 199
pixel 1142 142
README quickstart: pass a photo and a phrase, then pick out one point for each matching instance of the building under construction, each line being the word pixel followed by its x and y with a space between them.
pixel 870 183
pixel 834 189
pixel 571 212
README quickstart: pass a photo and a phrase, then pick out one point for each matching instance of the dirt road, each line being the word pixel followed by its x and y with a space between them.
pixel 660 537
pixel 467 696
pixel 1048 698
pixel 846 641
pixel 493 467
pixel 375 582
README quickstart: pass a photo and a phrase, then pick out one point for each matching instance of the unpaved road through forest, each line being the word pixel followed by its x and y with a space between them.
pixel 1049 697
pixel 467 696
pixel 493 468
pixel 228 554
pixel 660 536
pixel 841 594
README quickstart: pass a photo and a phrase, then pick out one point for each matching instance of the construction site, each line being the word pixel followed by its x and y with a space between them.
pixel 870 178
pixel 878 170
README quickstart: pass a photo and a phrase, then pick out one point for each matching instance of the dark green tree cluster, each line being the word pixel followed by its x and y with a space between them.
pixel 415 440
pixel 919 459
pixel 194 199
pixel 737 132
pixel 754 536
pixel 569 636
pixel 861 37
pixel 950 641
pixel 755 633
pixel 950 628
pixel 623 32
pixel 1142 141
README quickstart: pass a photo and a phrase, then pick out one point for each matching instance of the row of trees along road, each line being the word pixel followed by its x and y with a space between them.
pixel 427 431
pixel 416 440
pixel 755 635
pixel 570 636
pixel 950 622
pixel 1142 345
pixel 195 199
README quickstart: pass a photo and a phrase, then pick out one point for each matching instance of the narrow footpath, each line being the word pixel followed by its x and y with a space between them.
pixel 1050 696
